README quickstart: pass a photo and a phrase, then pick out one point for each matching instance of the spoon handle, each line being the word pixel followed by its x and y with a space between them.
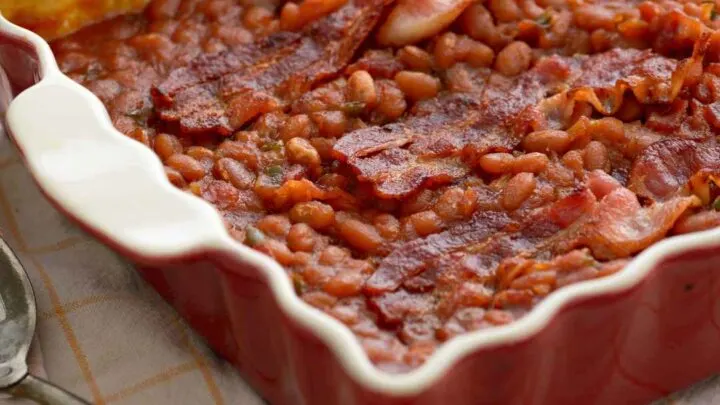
pixel 44 392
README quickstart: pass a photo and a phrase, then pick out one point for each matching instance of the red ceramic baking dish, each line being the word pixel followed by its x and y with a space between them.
pixel 626 339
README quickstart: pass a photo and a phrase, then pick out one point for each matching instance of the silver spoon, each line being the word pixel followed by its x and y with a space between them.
pixel 17 326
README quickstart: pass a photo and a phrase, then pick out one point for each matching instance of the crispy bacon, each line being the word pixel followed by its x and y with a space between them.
pixel 222 92
pixel 665 167
pixel 621 227
pixel 411 258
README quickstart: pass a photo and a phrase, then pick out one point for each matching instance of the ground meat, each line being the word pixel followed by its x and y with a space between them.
pixel 421 184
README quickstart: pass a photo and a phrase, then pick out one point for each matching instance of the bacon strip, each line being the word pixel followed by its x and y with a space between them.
pixel 220 93
pixel 665 167
pixel 411 258
pixel 621 227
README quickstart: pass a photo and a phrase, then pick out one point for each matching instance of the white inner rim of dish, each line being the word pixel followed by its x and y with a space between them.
pixel 58 118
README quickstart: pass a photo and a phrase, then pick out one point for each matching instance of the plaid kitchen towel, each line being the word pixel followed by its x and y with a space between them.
pixel 106 335
pixel 102 332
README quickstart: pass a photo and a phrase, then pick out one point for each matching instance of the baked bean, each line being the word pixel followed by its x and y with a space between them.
pixel 361 88
pixel 332 255
pixel 331 124
pixel 475 53
pixel 532 9
pixel 220 193
pixel 607 129
pixel 419 329
pixel 335 180
pixel 289 16
pixel 596 156
pixel 426 222
pixel 417 85
pixel 634 29
pixel 533 162
pixel 323 146
pixel 415 58
pixel 297 126
pixel 458 79
pixel 574 161
pixel 345 284
pixel 477 22
pixel 387 225
pixel 163 9
pixel 313 213
pixel 275 225
pixel 445 50
pixel 243 152
pixel 319 299
pixel 257 18
pixel 549 140
pixel 474 295
pixel 449 205
pixel 592 17
pixel 345 314
pixel 228 36
pixel 560 175
pixel 299 150
pixel 392 100
pixel 166 145
pixel 301 238
pixel 601 40
pixel 190 168
pixel 529 280
pixel 234 172
pixel 358 234
pixel 153 46
pixel 277 250
pixel 175 177
pixel 518 189
pixel 498 317
pixel 496 163
pixel 514 59
pixel 141 135
pixel 200 153
pixel 513 298
pixel 505 10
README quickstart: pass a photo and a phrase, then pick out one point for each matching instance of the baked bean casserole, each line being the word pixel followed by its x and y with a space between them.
pixel 425 168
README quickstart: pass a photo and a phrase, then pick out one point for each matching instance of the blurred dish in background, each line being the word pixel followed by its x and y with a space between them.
pixel 55 18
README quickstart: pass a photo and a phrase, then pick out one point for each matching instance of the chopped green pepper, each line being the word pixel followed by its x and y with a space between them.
pixel 274 170
pixel 353 108
pixel 272 145
pixel 544 19
pixel 298 283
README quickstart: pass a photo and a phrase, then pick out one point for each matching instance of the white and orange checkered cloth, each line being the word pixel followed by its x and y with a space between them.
pixel 106 335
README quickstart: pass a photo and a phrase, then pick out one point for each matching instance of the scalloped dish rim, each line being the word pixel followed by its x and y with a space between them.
pixel 209 236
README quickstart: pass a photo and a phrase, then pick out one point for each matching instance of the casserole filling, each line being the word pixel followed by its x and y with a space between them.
pixel 425 168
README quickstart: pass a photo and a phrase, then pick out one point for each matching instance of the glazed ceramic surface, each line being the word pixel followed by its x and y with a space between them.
pixel 625 339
